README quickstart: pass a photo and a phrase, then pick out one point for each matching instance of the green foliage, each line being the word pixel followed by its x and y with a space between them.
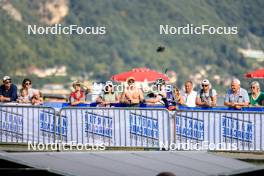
pixel 133 36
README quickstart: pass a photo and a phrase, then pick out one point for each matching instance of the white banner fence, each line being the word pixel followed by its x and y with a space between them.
pixel 134 127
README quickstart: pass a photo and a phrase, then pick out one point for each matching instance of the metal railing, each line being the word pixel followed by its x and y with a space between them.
pixel 23 124
pixel 222 130
pixel 134 127
pixel 123 127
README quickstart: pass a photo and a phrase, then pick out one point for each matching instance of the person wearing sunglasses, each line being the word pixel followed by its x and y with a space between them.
pixel 236 97
pixel 27 87
pixel 256 97
pixel 206 97
pixel 8 91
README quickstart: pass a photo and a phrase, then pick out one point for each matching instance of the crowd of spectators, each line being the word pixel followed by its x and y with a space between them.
pixel 133 95
pixel 26 95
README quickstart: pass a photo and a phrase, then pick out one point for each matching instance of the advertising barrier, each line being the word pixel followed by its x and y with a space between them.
pixel 184 129
pixel 117 126
pixel 222 130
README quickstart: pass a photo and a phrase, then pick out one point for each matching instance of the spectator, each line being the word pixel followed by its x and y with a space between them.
pixel 131 96
pixel 189 96
pixel 8 91
pixel 23 97
pixel 177 98
pixel 108 95
pixel 207 96
pixel 236 97
pixel 26 84
pixel 158 96
pixel 37 98
pixel 256 97
pixel 78 95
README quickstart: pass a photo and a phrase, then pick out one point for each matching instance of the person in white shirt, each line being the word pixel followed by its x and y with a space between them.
pixel 189 95
pixel 207 96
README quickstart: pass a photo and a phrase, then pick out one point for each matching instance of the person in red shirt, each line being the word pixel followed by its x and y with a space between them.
pixel 78 95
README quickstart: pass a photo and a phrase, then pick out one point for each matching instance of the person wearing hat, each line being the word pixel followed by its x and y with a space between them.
pixel 207 96
pixel 159 95
pixel 8 91
pixel 78 95
pixel 108 96
pixel 132 95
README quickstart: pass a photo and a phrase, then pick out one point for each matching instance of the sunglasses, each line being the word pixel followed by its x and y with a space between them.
pixel 204 85
pixel 28 83
pixel 253 87
pixel 7 82
pixel 131 81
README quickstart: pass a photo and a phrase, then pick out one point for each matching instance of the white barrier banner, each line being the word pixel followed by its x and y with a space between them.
pixel 117 127
pixel 223 130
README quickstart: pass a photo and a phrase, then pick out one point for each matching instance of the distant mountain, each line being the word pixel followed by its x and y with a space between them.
pixel 132 36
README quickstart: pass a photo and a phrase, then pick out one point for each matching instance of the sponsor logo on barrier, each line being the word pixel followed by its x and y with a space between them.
pixel 47 123
pixel 191 128
pixel 236 129
pixel 144 126
pixel 11 123
pixel 98 124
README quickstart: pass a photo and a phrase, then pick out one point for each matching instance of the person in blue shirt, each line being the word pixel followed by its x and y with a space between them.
pixel 8 91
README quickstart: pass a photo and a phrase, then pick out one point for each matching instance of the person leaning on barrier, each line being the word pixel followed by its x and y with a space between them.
pixel 131 96
pixel 37 98
pixel 236 97
pixel 256 97
pixel 26 85
pixel 23 96
pixel 108 95
pixel 160 95
pixel 177 99
pixel 207 96
pixel 8 91
pixel 78 95
pixel 189 95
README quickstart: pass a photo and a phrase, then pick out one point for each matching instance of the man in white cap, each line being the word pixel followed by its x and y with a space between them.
pixel 236 97
pixel 8 91
pixel 207 96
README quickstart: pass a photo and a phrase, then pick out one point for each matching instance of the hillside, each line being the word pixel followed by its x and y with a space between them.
pixel 132 36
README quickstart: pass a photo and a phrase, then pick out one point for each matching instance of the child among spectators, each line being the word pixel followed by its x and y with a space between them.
pixel 23 98
pixel 37 98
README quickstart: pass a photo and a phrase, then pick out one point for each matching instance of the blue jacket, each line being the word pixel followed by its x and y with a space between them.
pixel 11 93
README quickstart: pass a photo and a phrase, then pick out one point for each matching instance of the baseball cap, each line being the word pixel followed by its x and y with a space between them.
pixel 205 82
pixel 6 78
